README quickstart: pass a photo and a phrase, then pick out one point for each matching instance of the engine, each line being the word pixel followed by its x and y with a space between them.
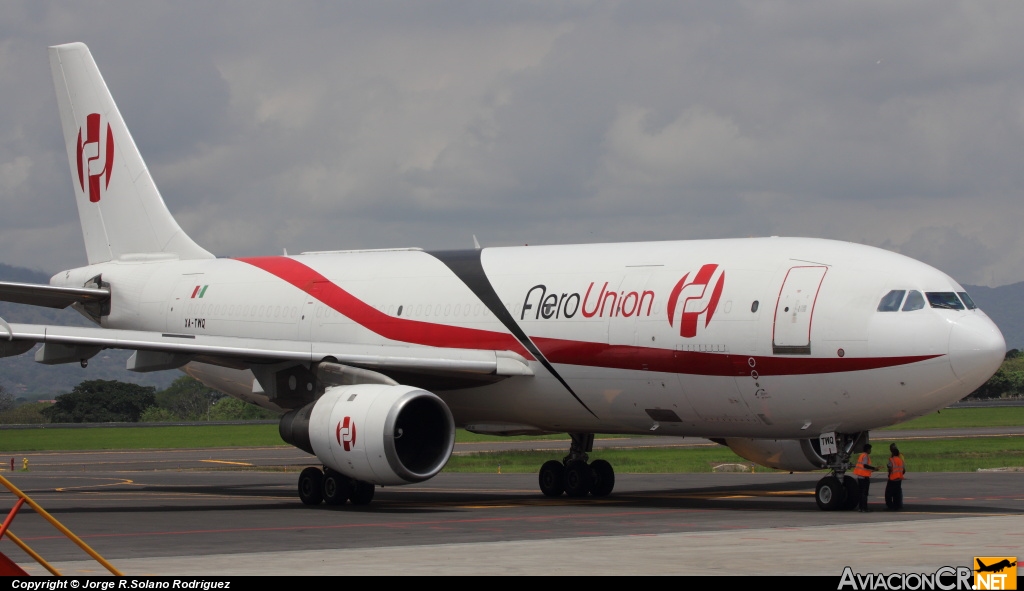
pixel 794 455
pixel 376 433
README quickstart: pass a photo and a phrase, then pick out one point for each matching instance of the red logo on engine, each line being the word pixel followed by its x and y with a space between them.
pixel 346 433
pixel 95 157
pixel 697 299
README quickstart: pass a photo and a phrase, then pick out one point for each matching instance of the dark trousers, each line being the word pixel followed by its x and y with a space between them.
pixel 863 484
pixel 894 494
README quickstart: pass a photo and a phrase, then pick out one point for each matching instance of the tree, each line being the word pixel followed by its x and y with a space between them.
pixel 233 409
pixel 6 400
pixel 1007 382
pixel 29 413
pixel 187 399
pixel 102 401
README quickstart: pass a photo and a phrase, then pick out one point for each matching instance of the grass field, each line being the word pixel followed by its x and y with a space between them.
pixel 951 455
pixel 959 418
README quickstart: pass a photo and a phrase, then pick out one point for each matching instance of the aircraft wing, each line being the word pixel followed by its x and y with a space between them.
pixel 50 296
pixel 158 351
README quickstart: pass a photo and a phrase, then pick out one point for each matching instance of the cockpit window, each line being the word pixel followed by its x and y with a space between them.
pixel 891 301
pixel 946 300
pixel 967 300
pixel 915 301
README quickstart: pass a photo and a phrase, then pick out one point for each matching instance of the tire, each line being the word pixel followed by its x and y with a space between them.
pixel 337 488
pixel 311 490
pixel 603 478
pixel 829 494
pixel 852 493
pixel 362 493
pixel 552 478
pixel 577 479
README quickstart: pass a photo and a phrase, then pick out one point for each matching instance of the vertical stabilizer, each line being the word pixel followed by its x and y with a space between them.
pixel 118 203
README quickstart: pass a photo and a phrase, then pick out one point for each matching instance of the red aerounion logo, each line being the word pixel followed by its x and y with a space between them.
pixel 697 299
pixel 95 157
pixel 346 433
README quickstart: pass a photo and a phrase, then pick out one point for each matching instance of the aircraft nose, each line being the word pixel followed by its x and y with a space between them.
pixel 976 349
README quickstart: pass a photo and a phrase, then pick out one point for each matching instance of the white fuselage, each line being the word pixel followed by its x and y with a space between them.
pixel 763 338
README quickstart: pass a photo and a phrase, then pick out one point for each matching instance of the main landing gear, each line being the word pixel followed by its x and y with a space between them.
pixel 838 491
pixel 333 488
pixel 574 475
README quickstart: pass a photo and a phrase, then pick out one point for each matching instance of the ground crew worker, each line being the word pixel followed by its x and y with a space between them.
pixel 894 486
pixel 863 471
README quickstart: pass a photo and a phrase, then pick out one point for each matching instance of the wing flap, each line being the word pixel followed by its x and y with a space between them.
pixel 251 350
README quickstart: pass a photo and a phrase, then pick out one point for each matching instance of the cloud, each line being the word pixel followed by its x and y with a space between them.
pixel 355 125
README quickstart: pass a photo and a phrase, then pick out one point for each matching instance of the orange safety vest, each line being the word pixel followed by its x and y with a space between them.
pixel 898 468
pixel 861 470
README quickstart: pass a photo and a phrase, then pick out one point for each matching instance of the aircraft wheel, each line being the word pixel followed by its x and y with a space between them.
pixel 852 493
pixel 337 488
pixel 362 493
pixel 829 493
pixel 552 478
pixel 311 490
pixel 577 479
pixel 603 478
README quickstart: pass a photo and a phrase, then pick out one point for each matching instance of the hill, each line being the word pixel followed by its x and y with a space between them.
pixel 1003 305
pixel 22 376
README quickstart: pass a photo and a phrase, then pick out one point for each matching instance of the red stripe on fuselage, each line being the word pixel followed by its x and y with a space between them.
pixel 705 364
pixel 560 351
pixel 389 327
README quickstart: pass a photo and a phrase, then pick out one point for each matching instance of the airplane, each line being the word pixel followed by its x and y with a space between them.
pixel 994 568
pixel 787 350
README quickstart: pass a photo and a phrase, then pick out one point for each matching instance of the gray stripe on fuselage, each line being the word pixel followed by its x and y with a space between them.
pixel 467 266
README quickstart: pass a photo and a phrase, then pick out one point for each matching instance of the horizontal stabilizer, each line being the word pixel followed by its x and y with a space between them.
pixel 50 296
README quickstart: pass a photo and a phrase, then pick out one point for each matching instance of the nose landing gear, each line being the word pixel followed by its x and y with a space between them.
pixel 837 491
pixel 575 475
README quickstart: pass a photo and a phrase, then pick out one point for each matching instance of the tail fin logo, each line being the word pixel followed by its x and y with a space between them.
pixel 95 157
pixel 698 300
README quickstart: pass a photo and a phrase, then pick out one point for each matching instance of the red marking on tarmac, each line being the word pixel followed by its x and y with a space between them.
pixel 401 525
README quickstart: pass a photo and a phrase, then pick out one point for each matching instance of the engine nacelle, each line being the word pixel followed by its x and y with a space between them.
pixel 376 433
pixel 794 455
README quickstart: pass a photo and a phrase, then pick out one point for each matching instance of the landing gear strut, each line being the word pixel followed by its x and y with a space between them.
pixel 334 488
pixel 837 491
pixel 574 475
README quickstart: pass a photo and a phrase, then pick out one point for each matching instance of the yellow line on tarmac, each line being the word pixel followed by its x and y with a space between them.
pixel 118 483
pixel 227 462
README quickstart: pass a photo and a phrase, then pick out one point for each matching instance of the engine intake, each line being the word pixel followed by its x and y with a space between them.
pixel 377 433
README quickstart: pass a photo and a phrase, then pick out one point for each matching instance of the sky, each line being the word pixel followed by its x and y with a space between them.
pixel 347 125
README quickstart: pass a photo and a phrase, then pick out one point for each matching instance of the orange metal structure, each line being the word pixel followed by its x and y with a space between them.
pixel 8 567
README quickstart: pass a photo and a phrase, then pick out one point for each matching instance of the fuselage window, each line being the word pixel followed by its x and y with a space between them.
pixel 915 301
pixel 946 300
pixel 891 301
pixel 399 310
pixel 967 300
pixel 753 307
